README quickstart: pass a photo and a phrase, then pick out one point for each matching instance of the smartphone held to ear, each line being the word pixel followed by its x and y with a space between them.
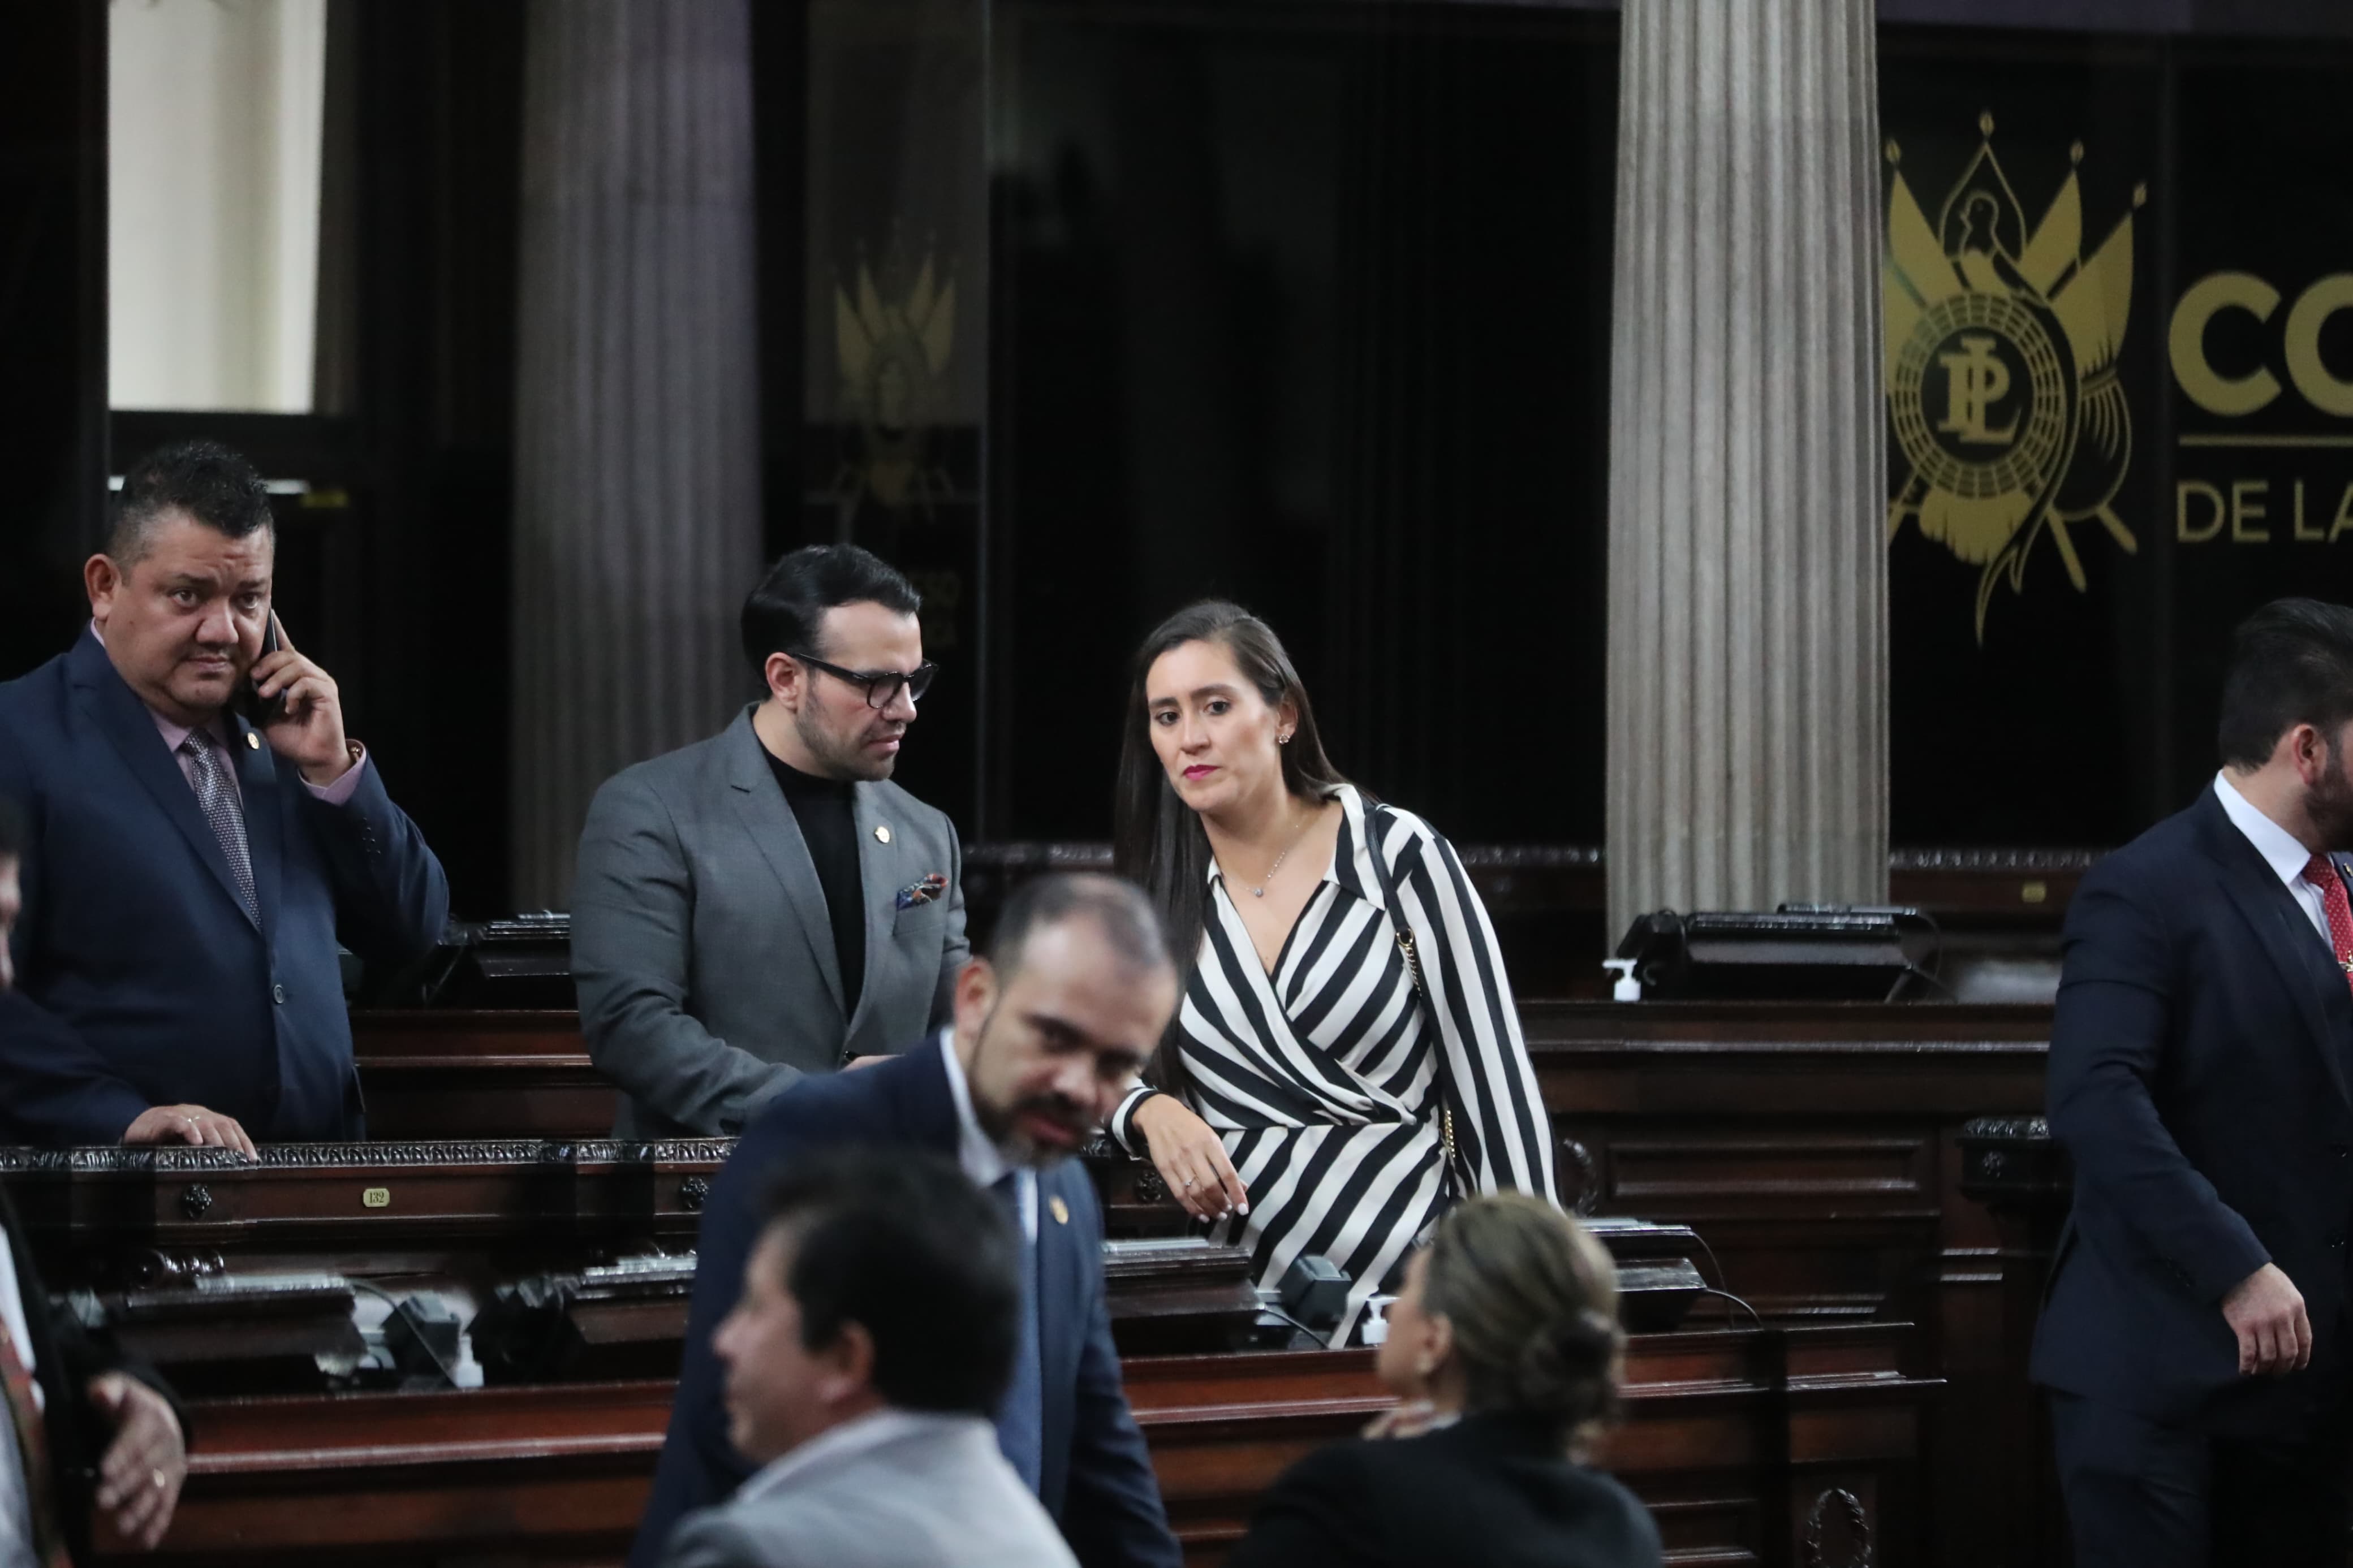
pixel 252 707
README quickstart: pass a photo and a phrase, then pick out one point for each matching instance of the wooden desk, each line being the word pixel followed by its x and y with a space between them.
pixel 102 1216
pixel 1549 903
pixel 1813 1146
pixel 2010 1165
pixel 1747 1446
pixel 429 1073
pixel 1816 1148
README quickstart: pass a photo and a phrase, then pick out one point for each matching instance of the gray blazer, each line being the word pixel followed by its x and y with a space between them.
pixel 936 1493
pixel 701 951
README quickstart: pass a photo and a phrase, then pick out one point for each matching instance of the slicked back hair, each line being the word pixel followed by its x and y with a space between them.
pixel 786 612
pixel 1113 906
pixel 2291 663
pixel 203 478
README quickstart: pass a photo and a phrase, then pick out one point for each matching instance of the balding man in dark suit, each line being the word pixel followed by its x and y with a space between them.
pixel 1049 1031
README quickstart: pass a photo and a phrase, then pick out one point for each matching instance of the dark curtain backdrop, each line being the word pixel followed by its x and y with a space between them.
pixel 1309 307
pixel 1304 304
pixel 393 570
pixel 52 319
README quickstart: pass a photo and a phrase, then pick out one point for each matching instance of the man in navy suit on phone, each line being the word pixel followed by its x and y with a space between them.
pixel 187 870
pixel 1050 1031
pixel 2194 1337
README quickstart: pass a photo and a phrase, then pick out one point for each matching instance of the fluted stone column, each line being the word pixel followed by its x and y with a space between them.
pixel 636 451
pixel 1747 663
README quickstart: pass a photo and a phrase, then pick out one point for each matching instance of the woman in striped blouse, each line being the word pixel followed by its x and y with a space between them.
pixel 1347 1061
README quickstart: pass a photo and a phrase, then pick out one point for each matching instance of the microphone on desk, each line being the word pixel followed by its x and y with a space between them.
pixel 1308 1303
pixel 1314 1289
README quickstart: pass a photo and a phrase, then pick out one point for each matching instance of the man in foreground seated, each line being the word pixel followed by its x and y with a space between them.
pixel 864 1359
pixel 188 868
pixel 61 1388
pixel 1051 1028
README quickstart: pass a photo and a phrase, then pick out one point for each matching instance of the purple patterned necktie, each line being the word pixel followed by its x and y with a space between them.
pixel 226 816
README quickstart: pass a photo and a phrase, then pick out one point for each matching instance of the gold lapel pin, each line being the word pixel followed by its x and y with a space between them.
pixel 881 834
pixel 252 742
pixel 1060 1210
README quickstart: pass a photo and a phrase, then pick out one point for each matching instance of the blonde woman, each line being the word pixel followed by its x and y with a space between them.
pixel 1504 1349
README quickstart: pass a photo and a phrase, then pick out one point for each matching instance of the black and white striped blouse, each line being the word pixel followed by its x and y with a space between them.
pixel 1324 1080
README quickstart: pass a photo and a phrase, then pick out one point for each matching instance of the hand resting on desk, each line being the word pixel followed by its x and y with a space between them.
pixel 188 1125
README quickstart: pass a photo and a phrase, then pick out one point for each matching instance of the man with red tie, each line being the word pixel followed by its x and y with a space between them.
pixel 2194 1337
pixel 61 1388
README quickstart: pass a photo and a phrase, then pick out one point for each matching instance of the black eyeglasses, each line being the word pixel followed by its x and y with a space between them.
pixel 882 684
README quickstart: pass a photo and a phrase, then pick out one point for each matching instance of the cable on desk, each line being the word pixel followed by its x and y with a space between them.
pixel 1732 1302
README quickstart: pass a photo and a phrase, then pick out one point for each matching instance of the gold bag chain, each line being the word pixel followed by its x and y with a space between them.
pixel 1421 992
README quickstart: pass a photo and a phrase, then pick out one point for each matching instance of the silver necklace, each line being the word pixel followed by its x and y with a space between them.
pixel 1260 891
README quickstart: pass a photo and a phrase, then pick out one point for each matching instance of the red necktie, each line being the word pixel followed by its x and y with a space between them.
pixel 33 1450
pixel 2323 875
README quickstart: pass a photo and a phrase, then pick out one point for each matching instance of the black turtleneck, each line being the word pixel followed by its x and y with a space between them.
pixel 822 808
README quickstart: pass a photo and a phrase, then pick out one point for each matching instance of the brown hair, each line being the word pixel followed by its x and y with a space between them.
pixel 1533 1301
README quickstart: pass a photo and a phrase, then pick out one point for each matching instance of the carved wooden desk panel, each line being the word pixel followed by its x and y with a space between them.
pixel 1812 1145
pixel 544 1476
pixel 92 1212
pixel 479 1074
pixel 1549 902
pixel 1743 1443
pixel 454 1074
pixel 1816 1148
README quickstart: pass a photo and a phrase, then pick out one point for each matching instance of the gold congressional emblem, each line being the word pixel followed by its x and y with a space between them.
pixel 2001 346
pixel 1061 1211
pixel 892 354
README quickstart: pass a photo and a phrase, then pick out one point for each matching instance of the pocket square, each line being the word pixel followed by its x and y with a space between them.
pixel 922 891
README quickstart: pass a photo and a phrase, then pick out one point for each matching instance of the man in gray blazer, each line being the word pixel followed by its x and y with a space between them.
pixel 766 903
pixel 874 1335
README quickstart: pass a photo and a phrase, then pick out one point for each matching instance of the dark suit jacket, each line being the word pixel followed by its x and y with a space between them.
pixel 66 1356
pixel 1097 1480
pixel 141 981
pixel 2199 1079
pixel 1491 1489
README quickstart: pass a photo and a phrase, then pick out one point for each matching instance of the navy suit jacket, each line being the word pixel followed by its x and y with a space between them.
pixel 140 980
pixel 1097 1479
pixel 2199 1077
